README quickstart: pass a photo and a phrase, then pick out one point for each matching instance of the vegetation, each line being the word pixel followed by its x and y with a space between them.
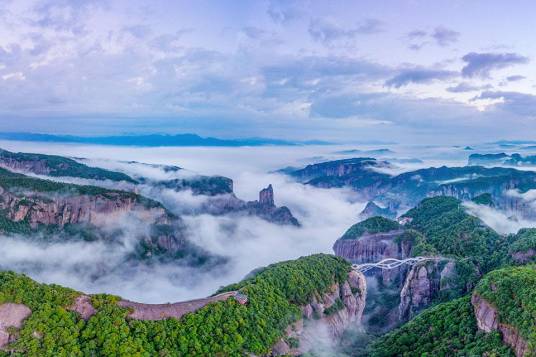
pixel 420 247
pixel 448 329
pixel 484 199
pixel 524 241
pixel 18 183
pixel 60 166
pixel 452 232
pixel 337 306
pixel 224 328
pixel 513 292
pixel 376 224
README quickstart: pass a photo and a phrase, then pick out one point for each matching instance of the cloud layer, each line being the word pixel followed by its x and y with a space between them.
pixel 256 69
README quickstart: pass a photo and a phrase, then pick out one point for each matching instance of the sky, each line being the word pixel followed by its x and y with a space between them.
pixel 412 71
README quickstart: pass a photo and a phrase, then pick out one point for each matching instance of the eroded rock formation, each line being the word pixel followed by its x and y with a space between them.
pixel 11 316
pixel 332 313
pixel 422 285
pixel 487 319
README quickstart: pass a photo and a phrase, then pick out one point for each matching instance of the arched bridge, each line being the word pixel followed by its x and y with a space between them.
pixel 391 263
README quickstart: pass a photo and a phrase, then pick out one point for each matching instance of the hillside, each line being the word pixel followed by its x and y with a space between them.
pixel 498 320
pixel 57 166
pixel 448 329
pixel 274 300
pixel 405 190
pixel 221 199
pixel 42 209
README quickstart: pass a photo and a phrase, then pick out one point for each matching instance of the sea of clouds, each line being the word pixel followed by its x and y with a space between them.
pixel 248 242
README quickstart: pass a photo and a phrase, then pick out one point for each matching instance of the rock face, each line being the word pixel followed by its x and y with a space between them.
pixel 266 196
pixel 370 248
pixel 62 209
pixel 372 210
pixel 58 166
pixel 47 209
pixel 524 257
pixel 423 284
pixel 487 319
pixel 11 316
pixel 264 207
pixel 395 295
pixel 332 312
pixel 82 305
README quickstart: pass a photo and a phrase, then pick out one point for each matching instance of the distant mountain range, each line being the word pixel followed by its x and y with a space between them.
pixel 155 140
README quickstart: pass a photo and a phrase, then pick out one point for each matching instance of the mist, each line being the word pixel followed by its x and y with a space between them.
pixel 248 242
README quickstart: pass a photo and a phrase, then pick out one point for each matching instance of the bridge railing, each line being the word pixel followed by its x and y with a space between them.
pixel 390 263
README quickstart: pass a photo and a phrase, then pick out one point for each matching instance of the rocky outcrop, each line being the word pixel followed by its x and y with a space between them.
pixel 423 284
pixel 139 311
pixel 264 207
pixel 487 319
pixel 154 312
pixel 12 316
pixel 56 166
pixel 266 196
pixel 524 257
pixel 66 208
pixel 83 306
pixel 372 210
pixel 370 248
pixel 332 312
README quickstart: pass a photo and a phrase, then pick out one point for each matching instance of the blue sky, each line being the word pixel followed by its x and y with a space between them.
pixel 409 71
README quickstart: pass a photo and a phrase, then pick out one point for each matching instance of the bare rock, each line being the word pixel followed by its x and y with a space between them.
pixel 11 315
pixel 82 305
pixel 415 293
pixel 266 196
pixel 487 319
pixel 281 348
pixel 371 247
pixel 524 257
pixel 307 311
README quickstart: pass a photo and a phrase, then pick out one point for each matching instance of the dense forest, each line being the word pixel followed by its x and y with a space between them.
pixel 449 329
pixel 371 225
pixel 224 328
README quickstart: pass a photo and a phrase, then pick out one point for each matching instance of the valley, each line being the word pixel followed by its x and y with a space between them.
pixel 446 259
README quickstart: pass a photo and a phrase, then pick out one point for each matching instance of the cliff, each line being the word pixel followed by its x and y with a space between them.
pixel 488 321
pixel 424 284
pixel 523 248
pixel 331 312
pixel 57 166
pixel 504 301
pixel 264 207
pixel 372 247
pixel 248 318
pixel 372 210
pixel 219 189
pixel 46 209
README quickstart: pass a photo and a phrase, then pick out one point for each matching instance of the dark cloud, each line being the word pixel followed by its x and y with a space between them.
pixel 515 78
pixel 465 87
pixel 444 36
pixel 418 75
pixel 481 64
pixel 417 34
pixel 327 31
pixel 522 104
pixel 297 71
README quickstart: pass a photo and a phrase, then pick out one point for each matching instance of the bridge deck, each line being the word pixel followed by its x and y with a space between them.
pixel 391 263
